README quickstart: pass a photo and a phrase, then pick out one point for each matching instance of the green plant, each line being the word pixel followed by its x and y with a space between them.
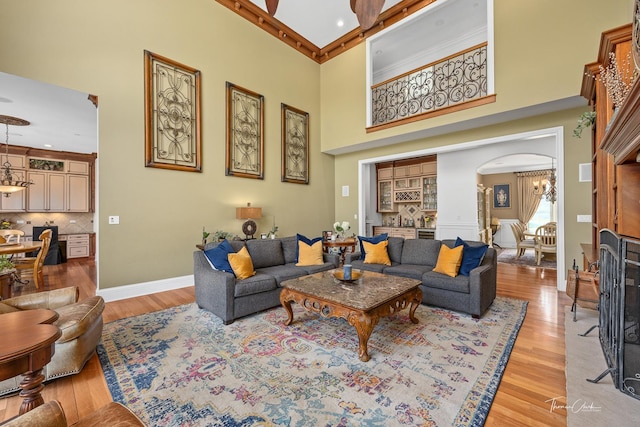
pixel 205 235
pixel 5 263
pixel 587 119
pixel 221 235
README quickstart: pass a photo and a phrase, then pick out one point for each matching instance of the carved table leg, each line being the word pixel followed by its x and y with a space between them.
pixel 364 325
pixel 31 386
pixel 415 302
pixel 286 303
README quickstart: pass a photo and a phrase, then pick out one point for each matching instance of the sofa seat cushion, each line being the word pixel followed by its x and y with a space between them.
pixel 265 252
pixel 318 268
pixel 283 272
pixel 412 271
pixel 442 281
pixel 260 282
pixel 421 251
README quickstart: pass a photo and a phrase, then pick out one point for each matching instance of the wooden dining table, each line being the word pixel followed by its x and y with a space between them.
pixel 19 248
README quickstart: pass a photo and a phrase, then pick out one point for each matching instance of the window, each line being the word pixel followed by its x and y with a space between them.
pixel 546 213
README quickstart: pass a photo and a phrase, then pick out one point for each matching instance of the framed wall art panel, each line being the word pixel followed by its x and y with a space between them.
pixel 502 196
pixel 245 133
pixel 295 145
pixel 173 137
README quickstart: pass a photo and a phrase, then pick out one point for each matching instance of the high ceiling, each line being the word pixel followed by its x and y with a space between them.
pixel 61 119
pixel 318 20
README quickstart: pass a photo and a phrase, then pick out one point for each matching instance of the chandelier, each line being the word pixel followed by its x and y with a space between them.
pixel 367 11
pixel 9 184
pixel 551 193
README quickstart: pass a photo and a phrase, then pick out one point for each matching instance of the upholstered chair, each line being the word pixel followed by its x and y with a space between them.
pixel 80 323
pixel 51 414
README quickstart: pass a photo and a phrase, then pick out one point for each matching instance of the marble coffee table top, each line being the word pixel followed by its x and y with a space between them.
pixel 369 291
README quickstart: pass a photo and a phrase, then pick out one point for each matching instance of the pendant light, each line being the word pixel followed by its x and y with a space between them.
pixel 9 184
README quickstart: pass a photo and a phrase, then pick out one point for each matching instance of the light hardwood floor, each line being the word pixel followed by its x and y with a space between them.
pixel 534 373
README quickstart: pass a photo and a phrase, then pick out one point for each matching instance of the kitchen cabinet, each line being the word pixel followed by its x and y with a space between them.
pixel 430 193
pixel 406 232
pixel 78 246
pixel 48 192
pixel 385 173
pixel 406 183
pixel 77 193
pixel 407 171
pixel 58 191
pixel 14 203
pixel 385 196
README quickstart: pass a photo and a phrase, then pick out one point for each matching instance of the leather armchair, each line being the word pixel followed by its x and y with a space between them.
pixel 51 414
pixel 80 323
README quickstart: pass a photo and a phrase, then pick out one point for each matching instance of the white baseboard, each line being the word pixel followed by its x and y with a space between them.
pixel 146 288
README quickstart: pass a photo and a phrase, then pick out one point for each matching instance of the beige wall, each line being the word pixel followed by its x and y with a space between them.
pixel 97 47
pixel 498 179
pixel 541 48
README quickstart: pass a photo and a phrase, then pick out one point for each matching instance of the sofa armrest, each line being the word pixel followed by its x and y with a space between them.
pixel 482 287
pixel 351 256
pixel 48 299
pixel 331 258
pixel 76 319
pixel 214 289
pixel 49 414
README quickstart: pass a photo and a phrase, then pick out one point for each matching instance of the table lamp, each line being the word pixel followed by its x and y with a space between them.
pixel 249 213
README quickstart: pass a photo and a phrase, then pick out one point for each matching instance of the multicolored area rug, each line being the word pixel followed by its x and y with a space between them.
pixel 183 367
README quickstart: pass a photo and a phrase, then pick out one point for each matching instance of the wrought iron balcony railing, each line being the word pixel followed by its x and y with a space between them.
pixel 453 80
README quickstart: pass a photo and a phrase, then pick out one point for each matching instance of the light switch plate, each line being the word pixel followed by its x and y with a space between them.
pixel 584 218
pixel 114 219
pixel 345 191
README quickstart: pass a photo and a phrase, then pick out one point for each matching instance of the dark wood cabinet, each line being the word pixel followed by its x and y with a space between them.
pixel 616 142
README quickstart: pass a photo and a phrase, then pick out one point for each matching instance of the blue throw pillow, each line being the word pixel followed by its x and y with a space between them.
pixel 375 239
pixel 305 240
pixel 219 256
pixel 471 256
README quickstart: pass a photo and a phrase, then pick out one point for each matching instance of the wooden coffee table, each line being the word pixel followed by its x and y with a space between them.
pixel 362 303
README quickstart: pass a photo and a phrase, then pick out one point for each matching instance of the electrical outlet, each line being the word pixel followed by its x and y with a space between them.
pixel 20 221
pixel 114 219
pixel 72 221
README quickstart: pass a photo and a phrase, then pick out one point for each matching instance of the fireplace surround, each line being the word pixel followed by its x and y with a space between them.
pixel 619 310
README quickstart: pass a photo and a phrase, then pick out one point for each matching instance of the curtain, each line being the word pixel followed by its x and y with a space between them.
pixel 530 189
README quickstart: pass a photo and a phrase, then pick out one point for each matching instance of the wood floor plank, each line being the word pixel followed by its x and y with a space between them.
pixel 534 373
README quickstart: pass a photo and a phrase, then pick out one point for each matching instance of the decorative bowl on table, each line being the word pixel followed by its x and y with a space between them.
pixel 339 274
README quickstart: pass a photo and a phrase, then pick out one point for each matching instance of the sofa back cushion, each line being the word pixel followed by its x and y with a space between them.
pixel 395 249
pixel 420 251
pixel 265 252
pixel 289 249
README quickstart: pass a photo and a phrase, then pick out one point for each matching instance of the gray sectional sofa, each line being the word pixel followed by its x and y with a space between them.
pixel 274 261
pixel 416 258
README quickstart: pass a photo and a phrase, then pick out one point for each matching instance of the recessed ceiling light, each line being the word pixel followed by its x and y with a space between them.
pixel 340 23
pixel 48 145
